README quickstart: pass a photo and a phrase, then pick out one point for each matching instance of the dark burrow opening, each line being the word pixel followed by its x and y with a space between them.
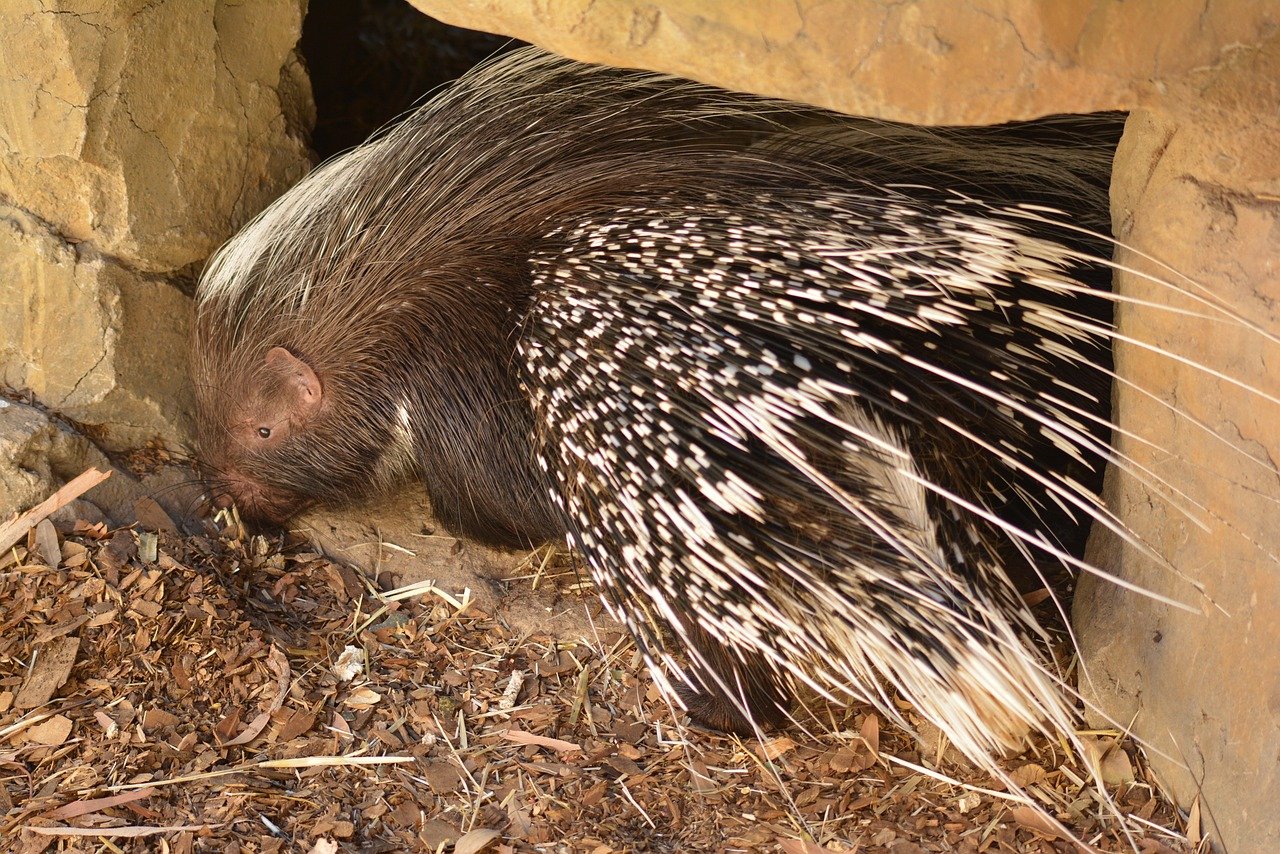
pixel 372 60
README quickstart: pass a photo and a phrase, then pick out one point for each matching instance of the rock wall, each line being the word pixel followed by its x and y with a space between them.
pixel 921 61
pixel 1197 186
pixel 136 136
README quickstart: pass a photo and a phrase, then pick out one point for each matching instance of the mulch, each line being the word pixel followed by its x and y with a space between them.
pixel 200 693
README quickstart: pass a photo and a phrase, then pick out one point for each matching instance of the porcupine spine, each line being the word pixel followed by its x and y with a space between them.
pixel 790 516
pixel 767 384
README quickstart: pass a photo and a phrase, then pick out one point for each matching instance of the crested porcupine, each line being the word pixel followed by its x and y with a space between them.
pixel 804 390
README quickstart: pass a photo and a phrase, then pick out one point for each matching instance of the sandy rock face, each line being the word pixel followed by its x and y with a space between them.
pixel 136 137
pixel 1196 187
pixel 92 338
pixel 38 454
pixel 925 62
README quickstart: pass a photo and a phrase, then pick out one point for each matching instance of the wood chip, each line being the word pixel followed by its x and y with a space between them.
pixel 521 737
pixel 131 832
pixel 79 808
pixel 16 529
pixel 51 731
pixel 475 841
pixel 53 663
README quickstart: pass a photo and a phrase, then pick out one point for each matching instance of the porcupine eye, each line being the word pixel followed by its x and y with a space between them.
pixel 288 394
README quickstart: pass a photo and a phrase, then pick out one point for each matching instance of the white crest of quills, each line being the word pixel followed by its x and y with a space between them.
pixel 809 393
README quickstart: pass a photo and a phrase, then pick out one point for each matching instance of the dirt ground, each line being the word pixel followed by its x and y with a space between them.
pixel 197 693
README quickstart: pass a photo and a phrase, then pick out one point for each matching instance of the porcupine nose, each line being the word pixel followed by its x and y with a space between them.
pixel 259 505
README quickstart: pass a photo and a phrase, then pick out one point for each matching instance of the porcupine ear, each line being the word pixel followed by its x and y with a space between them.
pixel 295 375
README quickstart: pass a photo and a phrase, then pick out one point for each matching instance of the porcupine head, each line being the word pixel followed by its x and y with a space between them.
pixel 331 368
pixel 278 428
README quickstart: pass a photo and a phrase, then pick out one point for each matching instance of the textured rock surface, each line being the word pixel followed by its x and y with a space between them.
pixel 92 339
pixel 926 61
pixel 135 138
pixel 1197 184
pixel 37 455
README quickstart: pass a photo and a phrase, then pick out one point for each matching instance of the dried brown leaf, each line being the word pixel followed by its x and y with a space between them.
pixel 1034 819
pixel 46 543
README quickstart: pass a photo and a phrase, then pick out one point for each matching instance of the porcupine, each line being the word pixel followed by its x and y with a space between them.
pixel 803 389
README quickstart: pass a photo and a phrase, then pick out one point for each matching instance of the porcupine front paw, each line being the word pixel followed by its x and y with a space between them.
pixel 717 712
pixel 737 693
